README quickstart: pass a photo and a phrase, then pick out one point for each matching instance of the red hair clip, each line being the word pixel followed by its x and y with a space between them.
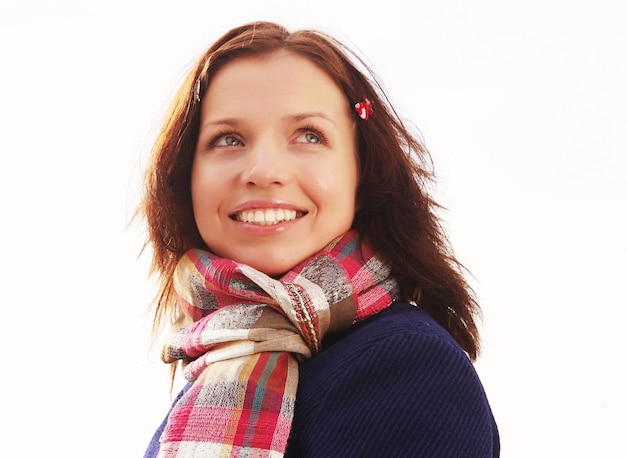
pixel 364 108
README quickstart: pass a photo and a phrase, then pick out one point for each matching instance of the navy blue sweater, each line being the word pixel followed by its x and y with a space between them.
pixel 395 385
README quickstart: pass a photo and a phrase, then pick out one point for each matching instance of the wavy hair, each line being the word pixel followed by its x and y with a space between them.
pixel 396 212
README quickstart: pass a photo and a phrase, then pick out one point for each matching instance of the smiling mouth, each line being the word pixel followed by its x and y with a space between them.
pixel 267 216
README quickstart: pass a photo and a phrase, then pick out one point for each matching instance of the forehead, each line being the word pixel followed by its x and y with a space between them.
pixel 281 79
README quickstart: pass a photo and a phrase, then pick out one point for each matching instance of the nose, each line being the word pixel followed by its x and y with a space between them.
pixel 266 165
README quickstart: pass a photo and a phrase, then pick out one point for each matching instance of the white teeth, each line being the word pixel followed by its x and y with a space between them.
pixel 266 217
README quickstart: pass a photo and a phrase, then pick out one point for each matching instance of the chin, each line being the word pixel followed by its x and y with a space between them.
pixel 275 267
pixel 273 270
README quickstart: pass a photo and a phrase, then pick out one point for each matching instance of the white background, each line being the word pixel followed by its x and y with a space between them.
pixel 522 104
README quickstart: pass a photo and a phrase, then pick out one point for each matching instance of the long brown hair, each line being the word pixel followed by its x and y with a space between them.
pixel 396 212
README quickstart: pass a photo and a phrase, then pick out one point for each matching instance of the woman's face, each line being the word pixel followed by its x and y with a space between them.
pixel 274 176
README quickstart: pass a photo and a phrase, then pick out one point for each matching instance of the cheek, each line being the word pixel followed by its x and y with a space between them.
pixel 334 186
pixel 197 191
pixel 340 188
pixel 350 178
pixel 204 197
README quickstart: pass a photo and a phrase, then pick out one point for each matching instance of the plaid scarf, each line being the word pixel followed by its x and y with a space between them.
pixel 242 333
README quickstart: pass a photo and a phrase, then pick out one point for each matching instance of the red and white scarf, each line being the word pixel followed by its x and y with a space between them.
pixel 242 333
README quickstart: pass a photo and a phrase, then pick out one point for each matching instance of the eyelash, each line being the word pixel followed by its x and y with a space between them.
pixel 319 133
pixel 309 128
pixel 220 135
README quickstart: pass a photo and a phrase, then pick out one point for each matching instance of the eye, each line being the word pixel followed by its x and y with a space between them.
pixel 310 135
pixel 225 140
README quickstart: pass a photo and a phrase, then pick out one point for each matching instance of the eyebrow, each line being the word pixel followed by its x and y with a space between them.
pixel 312 114
pixel 291 118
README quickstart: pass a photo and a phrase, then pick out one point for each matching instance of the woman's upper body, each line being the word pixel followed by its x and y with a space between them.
pixel 396 385
pixel 286 200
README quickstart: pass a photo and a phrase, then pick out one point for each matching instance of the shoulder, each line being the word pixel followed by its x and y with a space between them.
pixel 396 384
pixel 403 319
pixel 399 338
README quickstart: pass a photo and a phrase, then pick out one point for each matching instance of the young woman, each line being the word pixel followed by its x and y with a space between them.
pixel 310 293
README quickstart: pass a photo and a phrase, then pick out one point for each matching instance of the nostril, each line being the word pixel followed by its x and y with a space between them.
pixel 264 181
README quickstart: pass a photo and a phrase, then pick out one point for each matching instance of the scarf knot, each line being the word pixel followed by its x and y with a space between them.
pixel 241 334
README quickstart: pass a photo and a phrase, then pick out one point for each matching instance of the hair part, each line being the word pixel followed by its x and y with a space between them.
pixel 395 213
